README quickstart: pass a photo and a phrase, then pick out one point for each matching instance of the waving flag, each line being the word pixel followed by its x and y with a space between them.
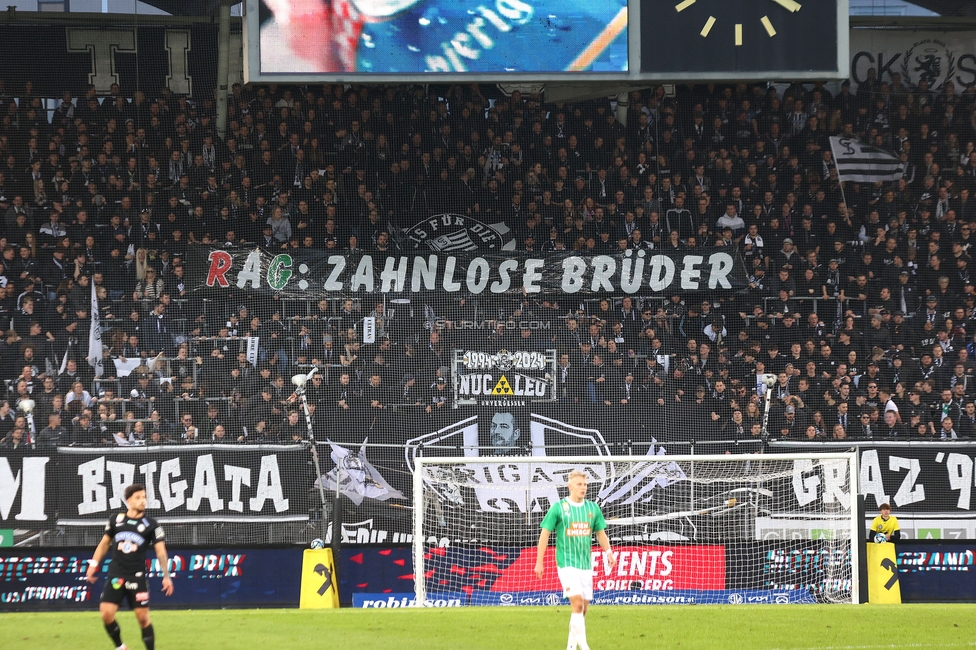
pixel 864 163
pixel 359 479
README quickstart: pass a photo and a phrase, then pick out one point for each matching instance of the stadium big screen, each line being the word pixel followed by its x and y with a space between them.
pixel 543 41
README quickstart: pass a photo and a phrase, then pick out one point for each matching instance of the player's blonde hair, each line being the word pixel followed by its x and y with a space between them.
pixel 577 473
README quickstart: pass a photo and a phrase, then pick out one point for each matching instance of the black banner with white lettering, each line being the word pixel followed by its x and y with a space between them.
pixel 198 484
pixel 314 274
pixel 930 485
pixel 924 477
pixel 146 58
pixel 27 495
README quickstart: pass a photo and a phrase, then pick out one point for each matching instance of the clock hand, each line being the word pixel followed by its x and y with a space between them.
pixel 789 5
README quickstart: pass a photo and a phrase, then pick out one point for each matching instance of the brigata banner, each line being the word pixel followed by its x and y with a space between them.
pixel 195 484
pixel 314 274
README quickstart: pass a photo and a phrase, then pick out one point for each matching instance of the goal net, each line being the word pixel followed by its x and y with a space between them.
pixel 686 529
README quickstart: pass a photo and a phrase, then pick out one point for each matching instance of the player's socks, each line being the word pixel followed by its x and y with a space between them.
pixel 115 632
pixel 577 625
pixel 572 644
pixel 149 637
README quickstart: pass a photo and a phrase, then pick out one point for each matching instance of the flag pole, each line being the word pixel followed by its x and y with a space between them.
pixel 300 382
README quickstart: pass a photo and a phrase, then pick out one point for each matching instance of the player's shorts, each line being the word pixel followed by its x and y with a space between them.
pixel 134 589
pixel 576 582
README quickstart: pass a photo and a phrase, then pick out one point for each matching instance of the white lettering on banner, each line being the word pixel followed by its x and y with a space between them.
pixel 251 271
pixel 603 267
pixel 690 273
pixel 835 479
pixel 449 268
pixel 178 49
pixel 721 264
pixel 101 46
pixel 237 476
pixel 479 272
pixel 662 273
pixel 148 470
pixel 338 263
pixel 532 276
pixel 121 476
pixel 573 268
pixel 631 273
pixel 205 485
pixel 394 275
pixel 31 481
pixel 907 492
pixel 172 494
pixel 804 487
pixel 871 479
pixel 960 469
pixel 362 279
pixel 826 481
pixel 504 273
pixel 269 486
pixel 92 476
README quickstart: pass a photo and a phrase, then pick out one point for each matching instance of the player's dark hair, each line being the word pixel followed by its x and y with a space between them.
pixel 132 489
pixel 884 506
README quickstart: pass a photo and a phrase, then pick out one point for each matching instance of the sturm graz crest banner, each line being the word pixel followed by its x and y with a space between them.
pixel 315 274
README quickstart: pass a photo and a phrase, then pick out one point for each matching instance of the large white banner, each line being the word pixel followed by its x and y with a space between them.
pixel 932 56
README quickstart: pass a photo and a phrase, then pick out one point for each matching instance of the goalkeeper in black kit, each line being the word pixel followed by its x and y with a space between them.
pixel 129 535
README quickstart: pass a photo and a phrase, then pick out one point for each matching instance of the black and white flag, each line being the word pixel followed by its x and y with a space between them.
pixel 357 477
pixel 95 336
pixel 864 163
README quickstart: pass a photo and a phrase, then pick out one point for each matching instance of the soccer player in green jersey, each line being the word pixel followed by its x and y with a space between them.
pixel 575 520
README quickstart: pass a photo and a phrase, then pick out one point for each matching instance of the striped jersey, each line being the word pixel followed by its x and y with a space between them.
pixel 574 525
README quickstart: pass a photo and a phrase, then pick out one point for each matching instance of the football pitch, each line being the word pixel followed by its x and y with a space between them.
pixel 490 628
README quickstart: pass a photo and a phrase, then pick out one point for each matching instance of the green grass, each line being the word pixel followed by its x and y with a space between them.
pixel 484 628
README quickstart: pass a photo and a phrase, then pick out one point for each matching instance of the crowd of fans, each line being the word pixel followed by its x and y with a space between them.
pixel 860 299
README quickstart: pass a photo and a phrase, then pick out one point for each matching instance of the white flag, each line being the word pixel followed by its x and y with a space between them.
pixel 95 336
pixel 369 329
pixel 252 350
pixel 864 163
pixel 359 480
pixel 64 359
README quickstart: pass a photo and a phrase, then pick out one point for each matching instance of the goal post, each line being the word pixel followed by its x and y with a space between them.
pixel 752 528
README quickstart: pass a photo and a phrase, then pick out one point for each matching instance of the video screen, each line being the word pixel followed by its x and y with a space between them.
pixel 442 36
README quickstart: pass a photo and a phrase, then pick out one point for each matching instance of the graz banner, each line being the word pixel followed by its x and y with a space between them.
pixel 930 486
pixel 202 483
pixel 935 57
pixel 313 274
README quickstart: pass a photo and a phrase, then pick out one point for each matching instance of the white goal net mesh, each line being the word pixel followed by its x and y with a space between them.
pixel 748 528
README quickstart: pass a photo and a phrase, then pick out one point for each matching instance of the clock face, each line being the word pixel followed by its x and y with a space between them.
pixel 739 36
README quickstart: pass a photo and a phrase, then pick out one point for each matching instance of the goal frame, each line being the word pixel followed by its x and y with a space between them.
pixel 420 589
